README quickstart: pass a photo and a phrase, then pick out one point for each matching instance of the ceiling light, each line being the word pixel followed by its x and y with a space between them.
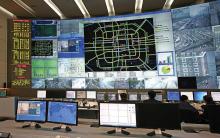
pixel 7 12
pixel 168 4
pixel 138 6
pixel 110 7
pixel 26 7
pixel 55 8
pixel 82 8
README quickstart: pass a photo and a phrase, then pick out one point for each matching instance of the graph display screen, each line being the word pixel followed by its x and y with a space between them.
pixel 62 112
pixel 31 111
pixel 115 114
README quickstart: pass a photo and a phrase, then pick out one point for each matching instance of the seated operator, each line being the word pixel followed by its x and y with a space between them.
pixel 152 95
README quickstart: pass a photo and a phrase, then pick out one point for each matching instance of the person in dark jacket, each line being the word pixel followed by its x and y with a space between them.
pixel 208 101
pixel 151 99
pixel 124 97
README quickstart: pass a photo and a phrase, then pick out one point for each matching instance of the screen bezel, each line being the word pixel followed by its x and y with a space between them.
pixel 62 122
pixel 118 125
pixel 40 121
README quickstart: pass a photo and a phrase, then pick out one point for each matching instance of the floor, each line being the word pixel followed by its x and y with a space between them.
pixel 85 131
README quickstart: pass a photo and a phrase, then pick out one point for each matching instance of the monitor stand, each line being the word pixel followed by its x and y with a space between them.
pixel 67 128
pixel 32 124
pixel 159 132
pixel 118 130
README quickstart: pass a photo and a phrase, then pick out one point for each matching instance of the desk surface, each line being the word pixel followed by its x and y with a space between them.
pixel 85 131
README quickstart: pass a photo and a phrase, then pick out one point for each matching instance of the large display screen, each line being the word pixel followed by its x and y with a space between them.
pixel 135 51
pixel 115 114
pixel 62 112
pixel 31 111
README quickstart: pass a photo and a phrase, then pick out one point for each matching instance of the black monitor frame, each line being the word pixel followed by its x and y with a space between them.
pixel 38 121
pixel 62 122
pixel 118 103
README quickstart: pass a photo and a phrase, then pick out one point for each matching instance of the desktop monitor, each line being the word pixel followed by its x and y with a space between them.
pixel 34 111
pixel 81 94
pixel 100 96
pixel 159 115
pixel 173 96
pixel 56 94
pixel 159 97
pixel 133 97
pixel 187 83
pixel 144 96
pixel 91 94
pixel 112 96
pixel 117 114
pixel 62 112
pixel 188 94
pixel 216 96
pixel 198 95
pixel 71 94
pixel 41 93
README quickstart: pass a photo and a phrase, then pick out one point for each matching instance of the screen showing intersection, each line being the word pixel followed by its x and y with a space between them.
pixel 31 111
pixel 135 51
pixel 62 112
pixel 115 114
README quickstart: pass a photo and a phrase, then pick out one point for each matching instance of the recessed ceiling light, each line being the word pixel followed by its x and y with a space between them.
pixel 55 8
pixel 82 8
pixel 110 7
pixel 7 12
pixel 138 6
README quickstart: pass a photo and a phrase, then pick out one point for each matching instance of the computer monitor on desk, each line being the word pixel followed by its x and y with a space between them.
pixel 173 96
pixel 215 96
pixel 71 94
pixel 188 94
pixel 31 111
pixel 198 95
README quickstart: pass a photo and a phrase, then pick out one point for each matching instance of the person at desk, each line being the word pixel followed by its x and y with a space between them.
pixel 151 99
pixel 124 97
pixel 189 114
pixel 208 101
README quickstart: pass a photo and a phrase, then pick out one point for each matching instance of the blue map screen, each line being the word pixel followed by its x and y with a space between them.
pixel 173 96
pixel 62 112
pixel 31 111
pixel 198 96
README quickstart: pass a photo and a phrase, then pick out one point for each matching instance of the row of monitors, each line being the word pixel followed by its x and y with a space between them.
pixel 196 96
pixel 111 114
pixel 50 111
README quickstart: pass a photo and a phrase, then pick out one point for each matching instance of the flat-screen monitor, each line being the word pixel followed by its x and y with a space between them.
pixel 188 94
pixel 160 115
pixel 117 115
pixel 2 93
pixel 41 93
pixel 133 97
pixel 71 94
pixel 100 96
pixel 56 93
pixel 144 96
pixel 187 83
pixel 216 96
pixel 81 94
pixel 173 96
pixel 62 112
pixel 159 97
pixel 91 94
pixel 198 95
pixel 112 96
pixel 34 111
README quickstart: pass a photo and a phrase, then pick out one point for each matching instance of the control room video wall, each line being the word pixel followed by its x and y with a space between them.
pixel 136 51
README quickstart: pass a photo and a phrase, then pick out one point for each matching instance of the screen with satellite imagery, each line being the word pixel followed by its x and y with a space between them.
pixel 56 112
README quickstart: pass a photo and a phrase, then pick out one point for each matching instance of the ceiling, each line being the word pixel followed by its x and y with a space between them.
pixel 94 7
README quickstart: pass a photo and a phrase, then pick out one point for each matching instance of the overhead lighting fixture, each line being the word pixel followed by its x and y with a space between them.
pixel 138 6
pixel 7 12
pixel 168 4
pixel 110 7
pixel 55 8
pixel 25 6
pixel 82 8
